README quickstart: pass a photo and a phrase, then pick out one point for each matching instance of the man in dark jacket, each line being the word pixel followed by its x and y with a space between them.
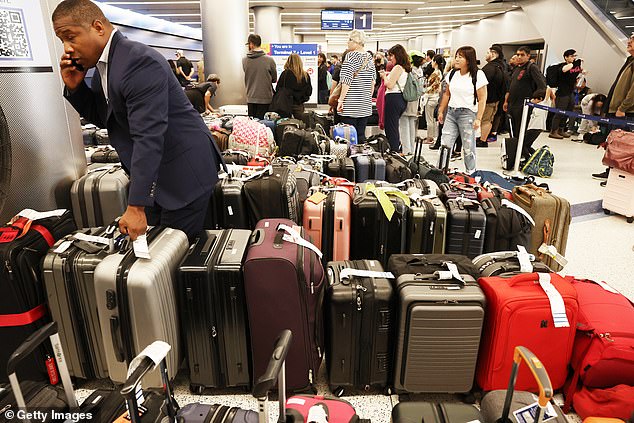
pixel 567 73
pixel 495 71
pixel 525 80
pixel 260 73
pixel 162 142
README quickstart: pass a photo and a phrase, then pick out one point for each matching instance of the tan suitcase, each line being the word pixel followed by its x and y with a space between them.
pixel 552 220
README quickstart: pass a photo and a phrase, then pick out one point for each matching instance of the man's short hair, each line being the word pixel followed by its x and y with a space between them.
pixel 431 54
pixel 498 50
pixel 525 49
pixel 213 78
pixel 255 39
pixel 82 12
pixel 570 52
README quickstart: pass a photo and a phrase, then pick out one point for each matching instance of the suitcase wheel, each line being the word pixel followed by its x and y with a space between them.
pixel 338 391
pixel 606 211
pixel 196 389
pixel 630 219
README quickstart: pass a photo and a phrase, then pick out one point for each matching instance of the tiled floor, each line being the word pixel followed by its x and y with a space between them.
pixel 599 247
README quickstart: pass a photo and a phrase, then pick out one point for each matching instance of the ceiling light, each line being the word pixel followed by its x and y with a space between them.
pixel 328 2
pixel 450 7
pixel 160 15
pixel 624 17
pixel 450 16
pixel 154 3
pixel 433 22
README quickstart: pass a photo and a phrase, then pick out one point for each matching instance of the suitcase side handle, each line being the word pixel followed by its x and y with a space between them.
pixel 525 277
pixel 257 237
pixel 539 373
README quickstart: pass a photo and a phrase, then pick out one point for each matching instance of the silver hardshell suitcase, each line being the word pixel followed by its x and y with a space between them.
pixel 70 288
pixel 100 196
pixel 137 302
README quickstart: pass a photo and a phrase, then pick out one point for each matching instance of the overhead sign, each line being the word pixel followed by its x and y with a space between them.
pixel 337 19
pixel 308 52
pixel 363 21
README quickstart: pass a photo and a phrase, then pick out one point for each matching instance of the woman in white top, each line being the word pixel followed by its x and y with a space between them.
pixel 463 103
pixel 395 104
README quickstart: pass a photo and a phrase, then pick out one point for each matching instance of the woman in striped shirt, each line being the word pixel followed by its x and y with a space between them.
pixel 358 76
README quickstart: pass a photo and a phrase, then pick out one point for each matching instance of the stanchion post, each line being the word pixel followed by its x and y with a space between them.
pixel 520 142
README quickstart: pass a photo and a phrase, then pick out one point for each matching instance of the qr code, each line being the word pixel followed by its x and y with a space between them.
pixel 14 43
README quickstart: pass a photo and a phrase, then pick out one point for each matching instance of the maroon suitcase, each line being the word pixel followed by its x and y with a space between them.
pixel 284 289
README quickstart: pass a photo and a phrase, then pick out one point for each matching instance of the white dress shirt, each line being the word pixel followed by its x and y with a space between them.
pixel 102 65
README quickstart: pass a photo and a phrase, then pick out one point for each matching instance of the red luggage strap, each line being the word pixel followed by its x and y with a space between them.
pixel 19 226
pixel 23 319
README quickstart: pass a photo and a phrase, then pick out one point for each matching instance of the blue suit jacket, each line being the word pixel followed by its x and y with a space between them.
pixel 161 140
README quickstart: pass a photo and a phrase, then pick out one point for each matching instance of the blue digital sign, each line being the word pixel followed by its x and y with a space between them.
pixel 337 19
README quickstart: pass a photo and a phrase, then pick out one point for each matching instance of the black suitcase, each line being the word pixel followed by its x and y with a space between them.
pixel 298 142
pixel 506 264
pixel 506 227
pixel 213 310
pixel 359 319
pixel 373 236
pixel 427 264
pixel 23 307
pixel 230 205
pixel 273 194
pixel 427 412
pixel 341 168
pixel 282 124
pixel 466 227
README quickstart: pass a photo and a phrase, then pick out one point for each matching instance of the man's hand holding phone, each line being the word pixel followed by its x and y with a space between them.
pixel 73 72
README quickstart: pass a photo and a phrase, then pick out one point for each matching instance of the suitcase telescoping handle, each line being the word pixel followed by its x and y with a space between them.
pixel 36 339
pixel 275 370
pixel 541 376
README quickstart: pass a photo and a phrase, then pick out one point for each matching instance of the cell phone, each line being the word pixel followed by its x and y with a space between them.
pixel 79 67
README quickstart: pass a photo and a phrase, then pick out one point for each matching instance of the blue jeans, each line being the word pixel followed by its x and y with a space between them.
pixel 358 123
pixel 459 121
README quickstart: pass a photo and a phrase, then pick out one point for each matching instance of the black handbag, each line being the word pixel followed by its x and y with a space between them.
pixel 282 102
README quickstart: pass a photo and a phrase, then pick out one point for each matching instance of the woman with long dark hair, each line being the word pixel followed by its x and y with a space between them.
pixel 296 79
pixel 463 103
pixel 395 104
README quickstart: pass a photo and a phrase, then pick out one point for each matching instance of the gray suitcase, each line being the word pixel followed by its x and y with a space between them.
pixel 427 226
pixel 428 412
pixel 466 227
pixel 137 303
pixel 70 287
pixel 438 333
pixel 100 196
pixel 369 166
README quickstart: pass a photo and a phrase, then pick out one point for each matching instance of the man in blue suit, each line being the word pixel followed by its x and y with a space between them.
pixel 161 140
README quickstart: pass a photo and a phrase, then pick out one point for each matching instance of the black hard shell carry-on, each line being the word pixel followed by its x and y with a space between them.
pixel 466 227
pixel 137 301
pixel 272 194
pixel 341 168
pixel 427 225
pixel 427 412
pixel 438 331
pixel 497 405
pixel 23 310
pixel 230 204
pixel 100 196
pixel 69 270
pixel 212 307
pixel 359 320
pixel 373 235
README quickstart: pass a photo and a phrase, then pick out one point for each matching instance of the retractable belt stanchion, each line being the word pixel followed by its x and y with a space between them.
pixel 520 142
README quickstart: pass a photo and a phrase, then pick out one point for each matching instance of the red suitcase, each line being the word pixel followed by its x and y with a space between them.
pixel 519 313
pixel 327 216
pixel 284 289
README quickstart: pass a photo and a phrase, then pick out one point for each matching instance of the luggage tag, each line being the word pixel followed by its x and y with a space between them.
pixel 452 273
pixel 348 272
pixel 295 237
pixel 525 260
pixel 557 306
pixel 527 414
pixel 140 247
pixel 551 252
pixel 510 205
pixel 35 215
pixel 317 197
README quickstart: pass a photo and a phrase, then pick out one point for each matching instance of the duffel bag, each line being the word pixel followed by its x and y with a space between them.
pixel 619 152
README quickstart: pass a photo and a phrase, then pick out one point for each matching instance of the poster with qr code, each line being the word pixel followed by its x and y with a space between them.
pixel 24 46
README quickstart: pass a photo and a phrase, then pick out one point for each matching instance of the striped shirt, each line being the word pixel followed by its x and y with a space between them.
pixel 358 101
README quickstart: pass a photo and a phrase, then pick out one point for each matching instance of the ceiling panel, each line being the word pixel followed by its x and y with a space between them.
pixel 406 18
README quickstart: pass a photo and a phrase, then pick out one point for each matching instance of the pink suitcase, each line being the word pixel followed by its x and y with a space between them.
pixel 327 222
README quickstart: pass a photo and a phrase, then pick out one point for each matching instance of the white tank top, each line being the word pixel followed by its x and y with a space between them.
pixel 401 81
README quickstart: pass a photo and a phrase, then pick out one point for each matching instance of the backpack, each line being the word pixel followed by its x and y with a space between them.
pixel 541 163
pixel 474 79
pixel 552 75
pixel 411 88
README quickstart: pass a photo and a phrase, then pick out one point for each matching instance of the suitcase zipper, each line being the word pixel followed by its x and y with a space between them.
pixel 303 295
pixel 428 229
pixel 215 314
pixel 83 210
pixel 328 228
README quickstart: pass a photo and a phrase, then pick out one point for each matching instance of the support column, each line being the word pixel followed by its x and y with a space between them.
pixel 287 34
pixel 419 44
pixel 268 23
pixel 223 45
pixel 411 44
